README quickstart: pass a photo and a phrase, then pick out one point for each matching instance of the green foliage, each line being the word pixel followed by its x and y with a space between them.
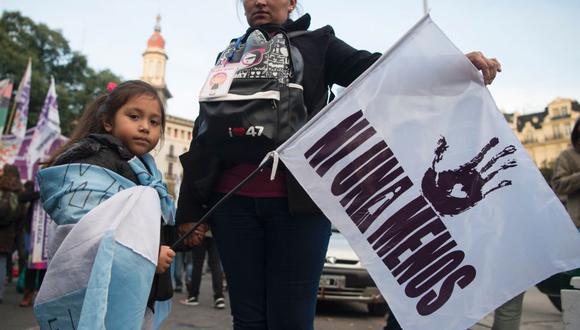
pixel 76 83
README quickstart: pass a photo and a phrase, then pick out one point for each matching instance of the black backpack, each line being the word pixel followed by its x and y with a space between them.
pixel 264 105
pixel 8 207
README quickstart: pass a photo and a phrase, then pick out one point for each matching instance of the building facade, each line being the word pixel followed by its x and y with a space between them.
pixel 545 134
pixel 176 142
pixel 177 130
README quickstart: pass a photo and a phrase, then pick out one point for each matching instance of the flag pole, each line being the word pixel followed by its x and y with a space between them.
pixel 9 119
pixel 267 160
pixel 425 7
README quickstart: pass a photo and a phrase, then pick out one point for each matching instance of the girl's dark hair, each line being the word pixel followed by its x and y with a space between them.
pixel 103 109
pixel 575 135
pixel 10 179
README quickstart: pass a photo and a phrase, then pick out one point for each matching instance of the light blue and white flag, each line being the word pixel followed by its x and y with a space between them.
pixel 100 276
pixel 105 246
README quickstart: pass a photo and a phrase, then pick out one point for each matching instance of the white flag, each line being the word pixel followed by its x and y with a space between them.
pixel 22 100
pixel 11 142
pixel 47 130
pixel 418 169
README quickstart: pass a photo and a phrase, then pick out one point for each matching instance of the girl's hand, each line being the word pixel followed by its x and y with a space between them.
pixel 488 66
pixel 166 255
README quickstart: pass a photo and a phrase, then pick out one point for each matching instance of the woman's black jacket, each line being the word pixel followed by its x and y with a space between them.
pixel 327 61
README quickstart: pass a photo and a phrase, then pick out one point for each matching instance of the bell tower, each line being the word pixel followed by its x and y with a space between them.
pixel 154 63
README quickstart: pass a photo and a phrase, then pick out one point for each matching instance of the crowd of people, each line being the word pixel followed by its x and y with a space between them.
pixel 15 232
pixel 270 237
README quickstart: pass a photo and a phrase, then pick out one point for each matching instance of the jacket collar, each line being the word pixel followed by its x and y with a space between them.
pixel 301 24
pixel 113 143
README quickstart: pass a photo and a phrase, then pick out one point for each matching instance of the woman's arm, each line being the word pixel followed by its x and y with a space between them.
pixel 345 63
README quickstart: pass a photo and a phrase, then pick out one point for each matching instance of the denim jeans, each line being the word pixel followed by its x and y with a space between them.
pixel 3 262
pixel 272 261
pixel 178 261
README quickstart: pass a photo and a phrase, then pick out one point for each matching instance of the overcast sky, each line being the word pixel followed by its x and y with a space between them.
pixel 535 40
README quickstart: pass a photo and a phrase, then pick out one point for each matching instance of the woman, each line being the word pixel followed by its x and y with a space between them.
pixel 271 237
pixel 566 177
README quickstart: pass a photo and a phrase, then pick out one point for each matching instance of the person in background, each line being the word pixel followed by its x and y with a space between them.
pixel 198 255
pixel 33 277
pixel 10 187
pixel 566 175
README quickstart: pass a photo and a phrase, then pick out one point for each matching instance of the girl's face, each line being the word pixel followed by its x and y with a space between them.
pixel 137 124
pixel 260 12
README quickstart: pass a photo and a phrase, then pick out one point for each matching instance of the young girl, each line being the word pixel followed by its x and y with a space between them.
pixel 107 153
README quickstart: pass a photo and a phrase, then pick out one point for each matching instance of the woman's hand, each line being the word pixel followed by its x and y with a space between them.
pixel 194 238
pixel 488 66
pixel 165 259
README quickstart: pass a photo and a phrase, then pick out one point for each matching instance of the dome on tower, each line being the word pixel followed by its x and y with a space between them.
pixel 156 40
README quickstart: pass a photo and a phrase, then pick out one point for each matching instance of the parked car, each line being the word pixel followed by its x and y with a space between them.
pixel 552 286
pixel 345 279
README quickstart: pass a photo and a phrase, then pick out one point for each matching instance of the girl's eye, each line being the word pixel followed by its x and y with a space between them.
pixel 155 123
pixel 133 116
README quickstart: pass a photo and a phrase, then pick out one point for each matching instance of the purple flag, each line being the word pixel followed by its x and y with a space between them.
pixel 47 130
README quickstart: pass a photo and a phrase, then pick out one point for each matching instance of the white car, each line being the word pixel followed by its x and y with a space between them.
pixel 345 279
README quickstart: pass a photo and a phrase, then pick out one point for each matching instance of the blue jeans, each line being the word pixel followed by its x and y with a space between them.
pixel 272 261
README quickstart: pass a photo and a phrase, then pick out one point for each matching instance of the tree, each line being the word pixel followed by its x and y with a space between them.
pixel 21 38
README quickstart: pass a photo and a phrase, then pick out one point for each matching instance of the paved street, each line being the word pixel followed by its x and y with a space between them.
pixel 538 314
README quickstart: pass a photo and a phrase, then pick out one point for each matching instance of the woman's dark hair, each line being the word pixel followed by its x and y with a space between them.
pixel 103 109
pixel 10 179
pixel 575 136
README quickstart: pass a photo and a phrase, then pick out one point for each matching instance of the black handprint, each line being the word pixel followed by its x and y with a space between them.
pixel 441 188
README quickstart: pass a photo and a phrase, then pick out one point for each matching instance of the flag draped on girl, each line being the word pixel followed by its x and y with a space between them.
pixel 14 136
pixel 416 166
pixel 107 245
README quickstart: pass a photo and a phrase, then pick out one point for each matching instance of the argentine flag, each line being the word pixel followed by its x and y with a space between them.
pixel 101 275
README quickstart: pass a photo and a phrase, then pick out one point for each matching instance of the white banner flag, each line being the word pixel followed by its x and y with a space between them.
pixel 416 166
pixel 22 100
pixel 47 130
pixel 11 142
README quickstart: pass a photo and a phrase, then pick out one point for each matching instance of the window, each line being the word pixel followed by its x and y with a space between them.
pixel 529 137
pixel 567 129
pixel 171 151
pixel 564 110
pixel 557 132
pixel 189 135
pixel 170 170
pixel 182 134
